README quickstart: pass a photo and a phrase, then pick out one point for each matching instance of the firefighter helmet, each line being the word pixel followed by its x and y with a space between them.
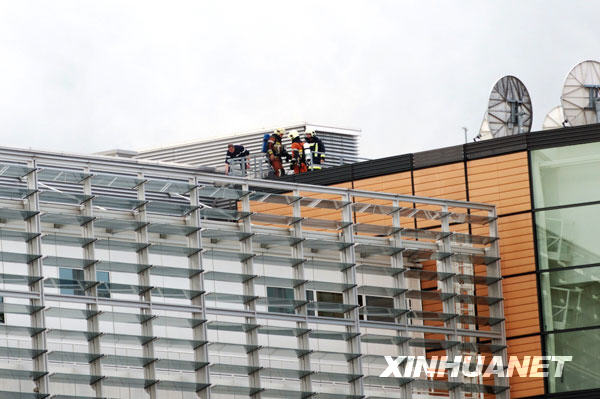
pixel 293 134
pixel 280 131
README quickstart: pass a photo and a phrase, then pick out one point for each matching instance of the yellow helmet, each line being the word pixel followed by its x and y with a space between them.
pixel 293 134
pixel 280 131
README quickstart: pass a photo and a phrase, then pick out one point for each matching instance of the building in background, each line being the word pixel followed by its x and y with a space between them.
pixel 546 188
pixel 341 144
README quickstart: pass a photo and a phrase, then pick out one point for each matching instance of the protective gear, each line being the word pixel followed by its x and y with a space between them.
pixel 276 151
pixel 317 149
pixel 298 156
pixel 293 134
pixel 236 151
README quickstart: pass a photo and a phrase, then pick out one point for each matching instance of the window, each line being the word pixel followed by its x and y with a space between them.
pixel 280 293
pixel 583 371
pixel 377 302
pixel 566 175
pixel 571 298
pixel 77 275
pixel 568 236
pixel 288 294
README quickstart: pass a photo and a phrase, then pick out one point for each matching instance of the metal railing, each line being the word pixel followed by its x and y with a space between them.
pixel 258 166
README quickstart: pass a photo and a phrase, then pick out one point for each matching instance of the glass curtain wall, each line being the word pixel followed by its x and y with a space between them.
pixel 567 217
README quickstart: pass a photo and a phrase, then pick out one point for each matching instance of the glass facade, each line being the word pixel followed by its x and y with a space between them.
pixel 283 295
pixel 566 179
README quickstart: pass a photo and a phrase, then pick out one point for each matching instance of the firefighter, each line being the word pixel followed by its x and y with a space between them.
pixel 298 164
pixel 276 152
pixel 236 151
pixel 317 149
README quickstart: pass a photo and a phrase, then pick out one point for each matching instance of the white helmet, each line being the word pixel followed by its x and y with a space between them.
pixel 292 134
pixel 311 132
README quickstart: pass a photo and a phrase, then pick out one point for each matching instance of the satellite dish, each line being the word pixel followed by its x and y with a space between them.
pixel 484 131
pixel 554 119
pixel 581 94
pixel 509 108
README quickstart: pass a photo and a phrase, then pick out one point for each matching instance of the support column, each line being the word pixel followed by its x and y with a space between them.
pixel 146 296
pixel 35 269
pixel 300 295
pixel 351 295
pixel 89 273
pixel 197 283
pixel 248 268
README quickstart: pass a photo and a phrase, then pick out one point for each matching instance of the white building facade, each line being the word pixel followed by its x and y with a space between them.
pixel 120 281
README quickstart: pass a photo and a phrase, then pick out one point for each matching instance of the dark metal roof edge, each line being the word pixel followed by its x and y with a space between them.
pixel 447 155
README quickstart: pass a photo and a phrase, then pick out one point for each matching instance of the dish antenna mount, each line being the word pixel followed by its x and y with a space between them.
pixel 581 94
pixel 509 108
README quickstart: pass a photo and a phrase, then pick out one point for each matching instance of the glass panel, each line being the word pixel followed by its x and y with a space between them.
pixel 20 353
pixel 432 344
pixel 72 263
pixel 226 255
pixel 118 317
pixel 278 281
pixel 323 244
pixel 232 369
pixel 170 208
pixel 428 295
pixel 327 265
pixel 336 377
pixel 470 279
pixel 419 234
pixel 125 339
pixel 234 390
pixel 21 374
pixel 18 279
pixel 483 388
pixel 268 239
pixel 283 373
pixel 481 348
pixel 232 348
pixel 228 298
pixel 116 181
pixel 571 298
pixel 177 322
pixel 15 193
pixel 376 209
pixel 476 259
pixel 468 218
pixel 479 320
pixel 381 291
pixel 118 202
pixel 64 198
pixel 229 277
pixel 335 335
pixel 172 229
pixel 179 293
pixel 62 176
pixel 472 239
pixel 16 308
pixel 75 378
pixel 181 343
pixel 580 373
pixel 283 331
pixel 285 294
pixel 12 257
pixel 214 234
pixel 13 235
pixel 558 173
pixel 325 224
pixel 13 214
pixel 379 270
pixel 277 260
pixel 174 250
pixel 180 365
pixel 567 237
pixel 74 357
pixel 229 326
pixel 223 214
pixel 366 250
pixel 289 352
pixel 221 192
pixel 117 360
pixel 173 271
pixel 119 245
pixel 69 286
pixel 322 203
pixel 273 198
pixel 55 239
pixel 381 231
pixel 181 386
pixel 114 226
pixel 327 286
pixel 323 355
pixel 128 382
pixel 274 219
pixel 72 334
pixel 30 331
pixel 69 313
pixel 168 186
pixel 121 267
pixel 422 214
pixel 436 316
pixel 422 255
pixel 8 170
pixel 282 393
pixel 65 219
pixel 386 381
pixel 383 339
pixel 481 300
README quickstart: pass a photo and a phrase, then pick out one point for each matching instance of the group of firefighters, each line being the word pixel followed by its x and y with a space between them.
pixel 276 152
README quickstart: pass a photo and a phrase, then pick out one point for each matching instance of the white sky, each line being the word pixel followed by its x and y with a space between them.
pixel 83 77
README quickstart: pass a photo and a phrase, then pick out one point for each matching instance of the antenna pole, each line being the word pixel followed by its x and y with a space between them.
pixel 465 129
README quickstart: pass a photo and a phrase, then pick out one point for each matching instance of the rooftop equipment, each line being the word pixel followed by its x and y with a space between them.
pixel 581 94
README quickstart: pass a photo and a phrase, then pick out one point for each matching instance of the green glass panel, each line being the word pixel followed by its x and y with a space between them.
pixel 12 170
pixel 273 198
pixel 383 339
pixel 275 219
pixel 283 331
pixel 428 295
pixel 559 173
pixel 121 267
pixel 18 279
pixel 64 198
pixel 327 286
pixel 334 377
pixel 481 348
pixel 468 218
pixel 324 223
pixel 221 192
pixel 323 203
pixel 375 209
pixel 230 326
pixel 386 381
pixel 235 390
pixel 17 308
pixel 70 313
pixel 177 365
pixel 170 208
pixel 55 239
pixel 232 348
pixel 435 384
pixel 227 235
pixel 287 352
pixel 14 214
pixel 471 279
pixel 278 281
pixel 177 322
pixel 72 334
pixel 333 335
pixel 268 240
pixel 13 257
pixel 327 265
pixel 128 382
pixel 480 300
pixel 475 259
pixel 284 393
pixel 12 235
pixel 223 214
pixel 120 245
pixel 71 263
pixel 571 298
pixel 174 250
pixel 277 260
pixel 229 277
pixel 379 270
pixel 228 298
pixel 21 353
pixel 472 239
pixel 15 193
pixel 326 245
pixel 116 181
pixel 483 388
pixel 479 320
pixel 178 293
pixel 120 203
pixel 117 360
pixel 337 356
pixel 180 343
pixel 582 371
pixel 381 291
pixel 65 219
pixel 366 250
pixel 115 226
pixel 283 373
pixel 73 357
pixel 420 234
pixel 567 237
pixel 181 386
pixel 423 255
pixel 168 186
pixel 226 255
pixel 21 374
pixel 436 316
pixel 380 231
pixel 169 271
pixel 117 317
pixel 125 339
pixel 62 176
pixel 232 369
pixel 172 229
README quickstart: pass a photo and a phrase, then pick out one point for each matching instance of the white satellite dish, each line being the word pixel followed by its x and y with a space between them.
pixel 554 119
pixel 509 108
pixel 484 131
pixel 581 94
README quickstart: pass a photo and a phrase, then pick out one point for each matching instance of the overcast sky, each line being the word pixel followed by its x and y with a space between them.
pixel 82 77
